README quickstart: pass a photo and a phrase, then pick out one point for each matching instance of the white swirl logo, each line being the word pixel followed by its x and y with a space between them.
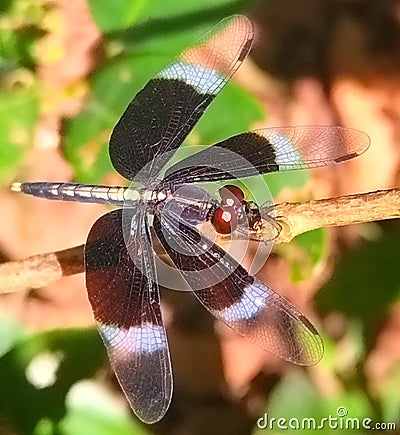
pixel 342 411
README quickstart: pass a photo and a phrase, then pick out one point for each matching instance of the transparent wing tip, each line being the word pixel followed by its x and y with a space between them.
pixel 311 350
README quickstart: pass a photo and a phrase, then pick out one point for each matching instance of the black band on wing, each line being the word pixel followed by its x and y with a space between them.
pixel 115 284
pixel 156 121
pixel 240 156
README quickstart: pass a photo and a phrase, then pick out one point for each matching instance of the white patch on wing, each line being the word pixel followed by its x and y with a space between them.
pixel 286 152
pixel 253 301
pixel 145 338
pixel 204 80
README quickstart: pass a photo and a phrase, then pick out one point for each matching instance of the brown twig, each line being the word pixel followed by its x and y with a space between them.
pixel 292 218
pixel 40 270
pixel 299 217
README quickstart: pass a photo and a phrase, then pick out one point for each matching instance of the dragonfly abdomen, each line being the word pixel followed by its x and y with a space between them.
pixel 76 192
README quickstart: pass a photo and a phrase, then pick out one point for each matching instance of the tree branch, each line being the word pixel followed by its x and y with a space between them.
pixel 299 217
pixel 292 218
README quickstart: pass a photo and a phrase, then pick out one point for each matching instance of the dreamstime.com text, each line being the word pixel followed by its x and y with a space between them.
pixel 340 421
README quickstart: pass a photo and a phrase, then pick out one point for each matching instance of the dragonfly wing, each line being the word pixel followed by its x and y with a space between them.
pixel 163 113
pixel 270 150
pixel 236 298
pixel 126 306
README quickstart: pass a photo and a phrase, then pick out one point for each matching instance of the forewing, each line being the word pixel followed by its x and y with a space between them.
pixel 237 299
pixel 126 306
pixel 163 113
pixel 270 150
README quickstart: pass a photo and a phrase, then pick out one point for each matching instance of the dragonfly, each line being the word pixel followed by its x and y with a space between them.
pixel 171 205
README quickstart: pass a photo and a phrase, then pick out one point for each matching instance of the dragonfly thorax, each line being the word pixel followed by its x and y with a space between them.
pixel 190 203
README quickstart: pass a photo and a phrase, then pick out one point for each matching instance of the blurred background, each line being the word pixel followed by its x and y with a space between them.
pixel 67 71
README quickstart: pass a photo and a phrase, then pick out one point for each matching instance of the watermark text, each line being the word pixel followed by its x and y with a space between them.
pixel 339 421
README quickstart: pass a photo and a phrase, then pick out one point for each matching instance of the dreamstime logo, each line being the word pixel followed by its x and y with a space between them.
pixel 187 203
pixel 340 421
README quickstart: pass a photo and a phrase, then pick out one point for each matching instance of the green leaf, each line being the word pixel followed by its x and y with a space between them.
pixel 390 398
pixel 67 355
pixel 110 15
pixel 282 180
pixel 10 333
pixel 366 281
pixel 19 113
pixel 232 112
pixel 310 249
pixel 83 421
pixel 298 401
pixel 87 135
pixel 304 253
pixel 156 9
pixel 20 29
pixel 97 414
pixel 314 242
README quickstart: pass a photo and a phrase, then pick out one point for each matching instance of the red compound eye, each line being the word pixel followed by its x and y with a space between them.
pixel 224 220
pixel 231 195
